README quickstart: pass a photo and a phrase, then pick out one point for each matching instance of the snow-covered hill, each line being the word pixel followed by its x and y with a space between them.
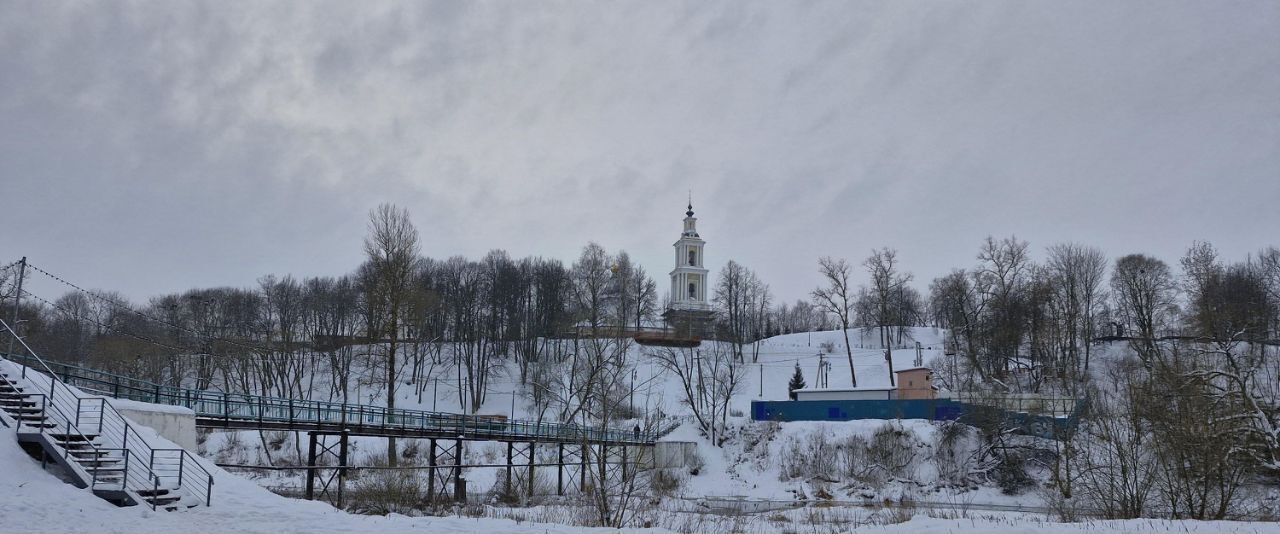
pixel 33 501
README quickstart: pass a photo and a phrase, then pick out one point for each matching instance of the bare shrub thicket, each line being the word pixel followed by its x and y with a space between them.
pixel 956 453
pixel 381 492
pixel 890 453
pixel 665 482
pixel 1118 468
pixel 523 490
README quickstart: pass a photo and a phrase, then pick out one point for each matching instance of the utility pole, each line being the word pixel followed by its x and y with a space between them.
pixel 633 391
pixel 761 365
pixel 822 365
pixel 17 299
pixel 697 361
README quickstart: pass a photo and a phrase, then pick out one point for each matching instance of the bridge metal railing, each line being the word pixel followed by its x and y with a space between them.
pixel 87 418
pixel 245 410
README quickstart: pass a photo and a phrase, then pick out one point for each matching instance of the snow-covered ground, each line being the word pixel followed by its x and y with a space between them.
pixel 748 468
pixel 33 501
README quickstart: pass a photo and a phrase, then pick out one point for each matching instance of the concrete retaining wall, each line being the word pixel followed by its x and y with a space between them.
pixel 674 454
pixel 178 426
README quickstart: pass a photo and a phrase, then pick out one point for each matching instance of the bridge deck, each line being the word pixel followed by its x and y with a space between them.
pixel 216 409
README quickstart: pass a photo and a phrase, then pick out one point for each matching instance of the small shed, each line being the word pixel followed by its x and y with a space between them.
pixel 916 383
pixel 826 394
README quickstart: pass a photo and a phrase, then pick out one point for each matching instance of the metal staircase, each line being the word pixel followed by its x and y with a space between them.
pixel 92 446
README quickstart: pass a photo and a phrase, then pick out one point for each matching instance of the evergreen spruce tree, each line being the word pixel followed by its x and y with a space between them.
pixel 797 382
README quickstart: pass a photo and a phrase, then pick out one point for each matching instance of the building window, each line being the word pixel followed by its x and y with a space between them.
pixel 693 291
pixel 693 257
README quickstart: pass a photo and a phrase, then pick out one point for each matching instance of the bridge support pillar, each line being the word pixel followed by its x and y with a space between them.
pixel 533 446
pixel 560 469
pixel 311 466
pixel 459 485
pixel 507 485
pixel 582 469
pixel 316 448
pixel 431 472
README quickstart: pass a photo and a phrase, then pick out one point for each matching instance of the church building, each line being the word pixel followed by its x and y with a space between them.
pixel 689 312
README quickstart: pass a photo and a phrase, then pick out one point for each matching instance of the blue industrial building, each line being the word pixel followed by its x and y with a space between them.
pixel 937 409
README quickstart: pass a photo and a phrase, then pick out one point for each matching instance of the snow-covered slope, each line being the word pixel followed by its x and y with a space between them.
pixel 33 501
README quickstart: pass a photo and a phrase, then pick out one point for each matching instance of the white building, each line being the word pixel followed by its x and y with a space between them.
pixel 689 313
pixel 689 281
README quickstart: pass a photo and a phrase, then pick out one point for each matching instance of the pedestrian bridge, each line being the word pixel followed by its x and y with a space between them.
pixel 217 409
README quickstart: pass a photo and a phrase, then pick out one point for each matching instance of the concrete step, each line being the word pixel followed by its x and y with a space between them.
pixel 165 502
pixel 14 410
pixel 87 453
pixel 73 437
pixel 100 462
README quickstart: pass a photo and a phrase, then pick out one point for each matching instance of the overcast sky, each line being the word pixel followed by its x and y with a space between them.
pixel 159 146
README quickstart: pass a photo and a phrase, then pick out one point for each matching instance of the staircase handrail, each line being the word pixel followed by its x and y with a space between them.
pixel 71 425
pixel 69 429
pixel 52 377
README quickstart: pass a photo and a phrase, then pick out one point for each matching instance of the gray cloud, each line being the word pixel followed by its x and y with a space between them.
pixel 155 146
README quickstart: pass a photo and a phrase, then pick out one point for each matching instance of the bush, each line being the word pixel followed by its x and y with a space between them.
pixel 812 457
pixel 665 483
pixel 385 492
pixel 695 462
pixel 520 491
pixel 1011 474
pixel 953 449
pixel 893 449
pixel 853 458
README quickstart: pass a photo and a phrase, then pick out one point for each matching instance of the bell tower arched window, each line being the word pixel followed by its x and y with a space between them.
pixel 693 257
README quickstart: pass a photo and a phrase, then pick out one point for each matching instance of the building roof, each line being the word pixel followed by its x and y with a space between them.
pixel 848 390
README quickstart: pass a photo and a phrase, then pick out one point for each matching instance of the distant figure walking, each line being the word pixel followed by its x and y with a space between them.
pixel 637 432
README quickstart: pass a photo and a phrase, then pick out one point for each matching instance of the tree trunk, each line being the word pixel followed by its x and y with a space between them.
pixel 391 383
pixel 853 375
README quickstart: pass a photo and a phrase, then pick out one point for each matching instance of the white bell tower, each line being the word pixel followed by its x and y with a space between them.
pixel 689 282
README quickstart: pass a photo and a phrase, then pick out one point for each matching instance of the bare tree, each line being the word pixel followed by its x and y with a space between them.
pixel 646 296
pixel 884 303
pixel 1143 290
pixel 731 299
pixel 758 317
pixel 591 280
pixel 708 381
pixel 1077 272
pixel 392 251
pixel 837 299
pixel 1001 281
